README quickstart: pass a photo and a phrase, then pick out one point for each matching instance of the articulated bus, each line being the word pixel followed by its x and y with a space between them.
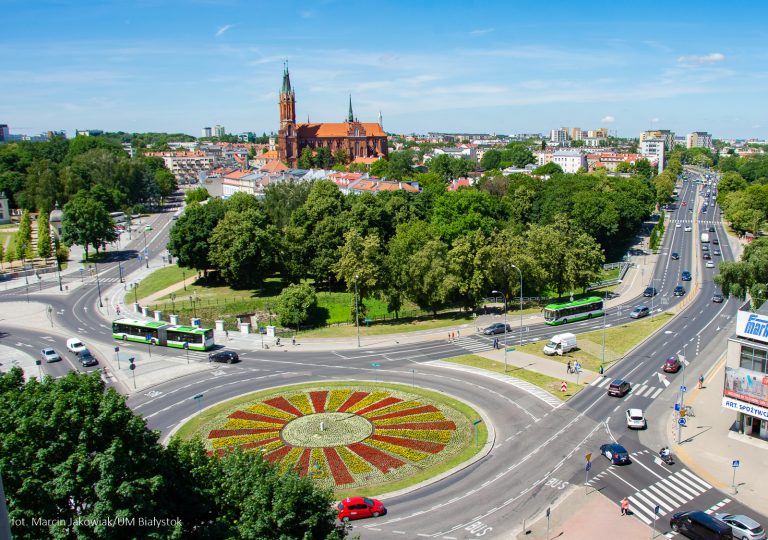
pixel 586 308
pixel 163 333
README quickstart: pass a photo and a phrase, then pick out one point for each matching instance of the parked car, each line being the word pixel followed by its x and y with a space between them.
pixel 743 527
pixel 229 357
pixel 496 328
pixel 685 275
pixel 50 355
pixel 672 364
pixel 635 419
pixel 675 256
pixel 360 507
pixel 75 346
pixel 87 359
pixel 650 291
pixel 639 312
pixel 615 453
pixel 679 291
pixel 619 388
pixel 717 298
pixel 698 524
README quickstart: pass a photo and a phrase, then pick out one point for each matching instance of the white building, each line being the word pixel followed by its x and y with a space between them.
pixel 652 148
pixel 698 139
pixel 667 136
pixel 218 131
pixel 5 209
pixel 570 160
pixel 558 136
pixel 461 152
pixel 746 373
pixel 186 166
pixel 542 157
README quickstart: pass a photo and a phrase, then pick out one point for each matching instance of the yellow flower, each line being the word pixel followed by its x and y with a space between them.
pixel 394 408
pixel 423 417
pixel 421 434
pixel 336 398
pixel 267 410
pixel 317 467
pixel 290 459
pixel 407 453
pixel 373 397
pixel 236 423
pixel 353 462
pixel 236 440
pixel 301 402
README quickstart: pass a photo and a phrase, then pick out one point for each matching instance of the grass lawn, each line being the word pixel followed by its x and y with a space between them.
pixel 618 341
pixel 193 428
pixel 545 382
pixel 443 320
pixel 160 279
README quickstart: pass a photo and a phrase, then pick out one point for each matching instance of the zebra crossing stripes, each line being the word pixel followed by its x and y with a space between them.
pixel 643 390
pixel 472 344
pixel 668 493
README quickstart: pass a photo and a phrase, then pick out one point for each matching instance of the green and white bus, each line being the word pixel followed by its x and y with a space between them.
pixel 163 333
pixel 586 308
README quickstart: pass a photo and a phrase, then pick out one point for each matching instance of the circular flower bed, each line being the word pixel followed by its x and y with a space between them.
pixel 344 435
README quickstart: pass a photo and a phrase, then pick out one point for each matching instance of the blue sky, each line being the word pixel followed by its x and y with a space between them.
pixel 485 66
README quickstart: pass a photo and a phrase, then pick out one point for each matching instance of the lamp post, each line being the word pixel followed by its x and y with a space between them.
pixel 521 302
pixel 184 278
pixel 602 360
pixel 134 285
pixel 357 315
pixel 173 302
pixel 98 285
pixel 146 251
pixel 120 269
pixel 505 327
pixel 194 309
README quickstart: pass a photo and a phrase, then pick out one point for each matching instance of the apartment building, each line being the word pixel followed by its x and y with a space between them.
pixel 187 167
pixel 698 139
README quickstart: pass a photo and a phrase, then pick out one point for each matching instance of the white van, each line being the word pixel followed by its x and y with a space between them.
pixel 560 344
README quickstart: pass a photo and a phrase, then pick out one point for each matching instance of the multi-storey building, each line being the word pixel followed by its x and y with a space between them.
pixel 4 132
pixel 558 136
pixel 206 132
pixel 665 135
pixel 570 160
pixel 218 131
pixel 187 167
pixel 698 139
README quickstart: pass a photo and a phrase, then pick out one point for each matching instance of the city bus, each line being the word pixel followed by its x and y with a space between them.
pixel 163 333
pixel 118 217
pixel 586 308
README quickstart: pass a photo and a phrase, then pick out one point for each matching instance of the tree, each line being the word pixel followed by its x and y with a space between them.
pixel 86 222
pixel 198 194
pixel 242 248
pixel 518 154
pixel 748 276
pixel 400 165
pixel 458 212
pixel 192 232
pixel 466 278
pixel 340 157
pixel 44 247
pixel 323 158
pixel 548 169
pixel 624 167
pixel 379 168
pixel 427 286
pixel 306 158
pixel 23 237
pixel 360 264
pixel 166 183
pixel 491 159
pixel 282 199
pixel 296 303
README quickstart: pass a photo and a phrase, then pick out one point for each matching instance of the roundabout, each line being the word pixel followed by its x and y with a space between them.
pixel 347 436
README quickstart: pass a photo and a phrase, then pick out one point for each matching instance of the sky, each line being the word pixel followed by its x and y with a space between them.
pixel 472 66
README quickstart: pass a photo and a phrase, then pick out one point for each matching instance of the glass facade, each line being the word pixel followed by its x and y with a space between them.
pixel 754 359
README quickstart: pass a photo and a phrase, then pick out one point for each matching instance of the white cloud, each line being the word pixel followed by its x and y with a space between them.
pixel 481 31
pixel 223 29
pixel 701 60
pixel 607 119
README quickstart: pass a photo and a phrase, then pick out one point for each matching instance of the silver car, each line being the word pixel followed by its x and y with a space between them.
pixel 743 527
pixel 50 355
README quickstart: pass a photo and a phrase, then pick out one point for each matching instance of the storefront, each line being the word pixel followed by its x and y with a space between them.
pixel 745 385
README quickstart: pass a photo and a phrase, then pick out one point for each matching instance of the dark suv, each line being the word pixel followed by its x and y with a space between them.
pixel 685 276
pixel 698 524
pixel 224 356
pixel 650 291
pixel 496 328
pixel 679 291
pixel 619 388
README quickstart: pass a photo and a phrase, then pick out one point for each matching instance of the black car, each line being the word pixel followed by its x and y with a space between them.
pixel 650 291
pixel 616 453
pixel 685 275
pixel 675 256
pixel 230 357
pixel 698 524
pixel 716 252
pixel 87 359
pixel 717 298
pixel 496 328
pixel 716 241
pixel 711 228
pixel 679 291
pixel 706 256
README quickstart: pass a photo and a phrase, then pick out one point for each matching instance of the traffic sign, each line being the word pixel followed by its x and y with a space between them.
pixel 589 456
pixel 185 345
pixel 677 407
pixel 681 421
pixel 683 389
pixel 476 422
pixel 117 349
pixel 563 386
pixel 589 466
pixel 735 463
pixel 148 337
pixel 132 366
pixel 510 349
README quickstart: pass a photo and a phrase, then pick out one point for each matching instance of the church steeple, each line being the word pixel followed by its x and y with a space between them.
pixel 286 81
pixel 287 100
pixel 351 117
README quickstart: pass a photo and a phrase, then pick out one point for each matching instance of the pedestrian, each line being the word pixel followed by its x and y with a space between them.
pixel 601 369
pixel 577 367
pixel 624 506
pixel 117 308
pixel 701 381
pixel 449 337
pixel 226 334
pixel 458 333
pixel 293 340
pixel 568 367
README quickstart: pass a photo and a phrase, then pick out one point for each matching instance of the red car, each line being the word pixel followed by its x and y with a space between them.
pixel 672 365
pixel 360 507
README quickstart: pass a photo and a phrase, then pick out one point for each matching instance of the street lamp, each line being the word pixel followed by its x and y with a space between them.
pixel 146 251
pixel 602 360
pixel 98 285
pixel 357 316
pixel 505 327
pixel 134 285
pixel 184 278
pixel 173 302
pixel 521 302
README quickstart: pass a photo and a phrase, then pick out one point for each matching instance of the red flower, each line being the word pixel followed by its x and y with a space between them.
pixel 379 405
pixel 425 446
pixel 338 468
pixel 318 400
pixel 377 458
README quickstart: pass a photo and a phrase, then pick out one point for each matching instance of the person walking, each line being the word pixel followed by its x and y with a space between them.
pixel 624 506
pixel 568 367
pixel 293 340
pixel 701 381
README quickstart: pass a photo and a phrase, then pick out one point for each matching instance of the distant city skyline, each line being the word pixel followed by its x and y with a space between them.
pixel 427 66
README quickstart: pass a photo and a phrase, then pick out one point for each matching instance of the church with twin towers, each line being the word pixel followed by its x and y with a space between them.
pixel 363 142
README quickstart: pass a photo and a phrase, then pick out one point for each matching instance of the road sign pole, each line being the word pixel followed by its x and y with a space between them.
pixel 548 512
pixel 735 465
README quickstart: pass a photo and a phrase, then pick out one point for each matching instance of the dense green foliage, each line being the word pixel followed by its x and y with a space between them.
pixel 743 191
pixel 73 454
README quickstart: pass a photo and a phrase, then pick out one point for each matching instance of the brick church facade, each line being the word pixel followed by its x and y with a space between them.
pixel 360 140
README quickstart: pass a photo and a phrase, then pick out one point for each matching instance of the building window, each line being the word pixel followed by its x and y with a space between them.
pixel 754 359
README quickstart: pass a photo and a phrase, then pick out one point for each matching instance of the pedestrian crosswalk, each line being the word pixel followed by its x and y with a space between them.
pixel 644 390
pixel 473 344
pixel 701 221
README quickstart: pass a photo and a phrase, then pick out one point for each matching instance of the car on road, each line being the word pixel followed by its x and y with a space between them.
pixel 678 225
pixel 87 359
pixel 636 419
pixel 679 291
pixel 698 524
pixel 685 275
pixel 672 365
pixel 639 312
pixel 148 228
pixel 710 264
pixel 496 328
pixel 75 346
pixel 687 228
pixel 650 291
pixel 615 453
pixel 704 247
pixel 228 357
pixel 717 298
pixel 685 203
pixel 675 256
pixel 711 228
pixel 716 241
pixel 716 252
pixel 50 355
pixel 706 256
pixel 619 387
pixel 360 507
pixel 743 527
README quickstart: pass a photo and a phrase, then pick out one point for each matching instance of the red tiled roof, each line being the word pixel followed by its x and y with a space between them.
pixel 341 129
pixel 366 160
pixel 269 154
pixel 274 166
pixel 235 175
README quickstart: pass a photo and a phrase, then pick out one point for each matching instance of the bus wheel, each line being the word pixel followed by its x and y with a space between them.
pixel 125 338
pixel 565 321
pixel 589 315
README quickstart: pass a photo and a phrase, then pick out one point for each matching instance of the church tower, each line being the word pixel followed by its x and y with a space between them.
pixel 287 143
